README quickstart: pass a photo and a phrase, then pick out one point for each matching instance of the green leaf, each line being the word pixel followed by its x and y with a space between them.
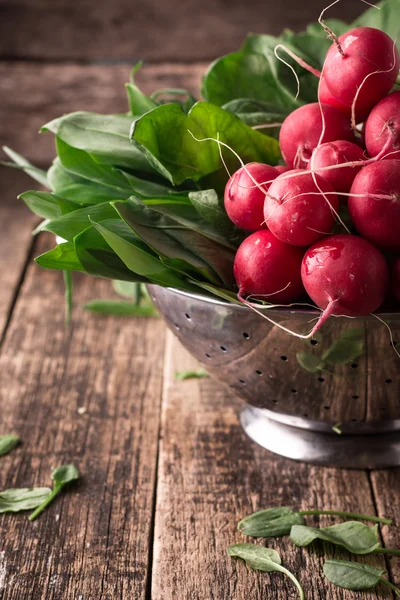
pixel 89 193
pixel 257 557
pixel 64 474
pixel 272 522
pixel 118 308
pixel 387 18
pixel 343 351
pixel 15 500
pixel 351 575
pixel 164 135
pixel 161 233
pixel 61 476
pixel 210 207
pixel 263 559
pixel 70 225
pixel 137 258
pixel 163 228
pixel 7 443
pixel 46 205
pixel 310 362
pixel 98 258
pixel 58 177
pixel 353 334
pixel 221 293
pixel 139 103
pixel 21 162
pixel 246 74
pixel 62 257
pixel 104 137
pixel 352 535
pixel 81 164
pixel 183 375
pixel 127 289
pixel 257 112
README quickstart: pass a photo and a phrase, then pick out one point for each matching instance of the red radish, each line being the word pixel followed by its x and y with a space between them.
pixel 382 128
pixel 337 153
pixel 325 96
pixel 364 59
pixel 301 132
pixel 295 210
pixel 396 279
pixel 269 269
pixel 244 201
pixel 281 169
pixel 345 275
pixel 375 205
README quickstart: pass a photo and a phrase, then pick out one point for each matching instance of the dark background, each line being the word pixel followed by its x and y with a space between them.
pixel 57 56
pixel 156 30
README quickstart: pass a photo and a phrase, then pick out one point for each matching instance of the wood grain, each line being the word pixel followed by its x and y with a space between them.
pixel 386 488
pixel 147 29
pixel 210 476
pixel 93 543
pixel 58 89
pixel 16 225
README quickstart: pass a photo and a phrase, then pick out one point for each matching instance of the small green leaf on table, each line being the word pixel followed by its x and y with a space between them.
pixel 352 535
pixel 15 500
pixel 183 375
pixel 355 576
pixel 7 443
pixel 272 522
pixel 61 476
pixel 263 559
pixel 120 308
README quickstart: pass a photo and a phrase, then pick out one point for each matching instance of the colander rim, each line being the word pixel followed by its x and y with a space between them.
pixel 280 311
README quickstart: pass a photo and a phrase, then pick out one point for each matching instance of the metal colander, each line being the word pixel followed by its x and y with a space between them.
pixel 331 400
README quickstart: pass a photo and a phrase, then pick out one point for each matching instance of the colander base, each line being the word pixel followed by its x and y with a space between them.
pixel 329 449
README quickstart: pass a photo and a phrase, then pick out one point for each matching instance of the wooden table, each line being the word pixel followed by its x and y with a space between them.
pixel 166 468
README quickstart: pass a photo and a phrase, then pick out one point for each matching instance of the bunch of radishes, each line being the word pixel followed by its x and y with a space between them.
pixel 343 149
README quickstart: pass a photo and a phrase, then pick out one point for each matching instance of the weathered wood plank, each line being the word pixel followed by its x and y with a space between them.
pixel 210 476
pixel 172 30
pixel 93 543
pixel 58 89
pixel 386 488
pixel 16 225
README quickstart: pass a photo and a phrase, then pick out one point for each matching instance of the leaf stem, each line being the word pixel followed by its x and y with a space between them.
pixel 392 587
pixel 44 504
pixel 293 578
pixel 68 297
pixel 392 551
pixel 339 513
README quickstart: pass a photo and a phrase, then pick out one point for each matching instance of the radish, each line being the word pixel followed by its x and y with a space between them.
pixel 269 269
pixel 382 128
pixel 243 199
pixel 337 153
pixel 345 275
pixel 296 211
pixel 374 203
pixel 325 96
pixel 301 132
pixel 282 169
pixel 361 67
pixel 396 279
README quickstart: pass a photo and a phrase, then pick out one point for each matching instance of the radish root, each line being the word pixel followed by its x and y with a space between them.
pixel 330 34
